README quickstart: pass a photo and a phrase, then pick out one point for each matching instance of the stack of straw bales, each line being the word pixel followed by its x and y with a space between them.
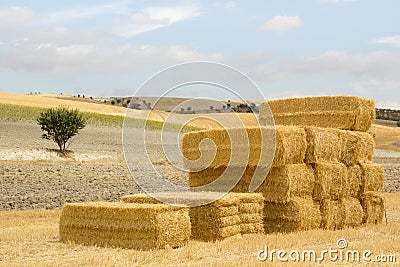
pixel 234 213
pixel 142 227
pixel 320 176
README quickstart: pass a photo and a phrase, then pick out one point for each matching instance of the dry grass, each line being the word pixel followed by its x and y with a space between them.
pixel 31 238
pixel 46 102
pixel 386 137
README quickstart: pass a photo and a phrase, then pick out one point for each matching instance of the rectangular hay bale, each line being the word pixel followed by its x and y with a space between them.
pixel 214 221
pixel 255 151
pixel 374 207
pixel 373 176
pixel 136 226
pixel 295 215
pixel 353 181
pixel 284 183
pixel 323 144
pixel 342 112
pixel 352 212
pixel 357 147
pixel 337 214
pixel 330 180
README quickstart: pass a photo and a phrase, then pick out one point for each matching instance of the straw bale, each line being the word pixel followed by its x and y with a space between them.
pixel 252 228
pixel 214 221
pixel 356 147
pixel 137 226
pixel 330 180
pixel 332 218
pixel 249 198
pixel 365 115
pixel 280 183
pixel 353 181
pixel 207 233
pixel 297 214
pixel 342 112
pixel 283 183
pixel 352 212
pixel 234 147
pixel 374 207
pixel 325 119
pixel 251 217
pixel 314 103
pixel 373 176
pixel 248 208
pixel 229 175
pixel 323 144
pixel 291 145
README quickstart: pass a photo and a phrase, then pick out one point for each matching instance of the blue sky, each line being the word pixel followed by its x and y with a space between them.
pixel 289 48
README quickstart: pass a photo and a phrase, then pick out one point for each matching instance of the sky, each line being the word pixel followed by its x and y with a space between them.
pixel 288 48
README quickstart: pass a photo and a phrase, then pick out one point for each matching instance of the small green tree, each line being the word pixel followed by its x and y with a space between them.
pixel 60 124
pixel 398 123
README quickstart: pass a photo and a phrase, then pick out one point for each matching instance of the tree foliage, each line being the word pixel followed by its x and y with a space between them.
pixel 60 124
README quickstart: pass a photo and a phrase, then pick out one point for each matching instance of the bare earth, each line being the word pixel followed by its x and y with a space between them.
pixel 34 176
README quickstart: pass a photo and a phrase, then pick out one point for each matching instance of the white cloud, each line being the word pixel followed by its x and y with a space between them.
pixel 154 18
pixel 376 65
pixel 72 59
pixel 230 4
pixel 282 24
pixel 388 104
pixel 390 40
pixel 84 12
pixel 13 18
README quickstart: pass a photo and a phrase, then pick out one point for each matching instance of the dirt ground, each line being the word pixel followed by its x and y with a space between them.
pixel 34 176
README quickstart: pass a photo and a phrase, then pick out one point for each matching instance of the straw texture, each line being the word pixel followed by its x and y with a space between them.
pixel 136 226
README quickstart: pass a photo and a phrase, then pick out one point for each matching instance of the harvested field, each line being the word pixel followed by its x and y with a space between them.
pixel 32 237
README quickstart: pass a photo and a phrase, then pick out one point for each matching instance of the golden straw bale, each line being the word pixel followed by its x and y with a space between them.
pixel 234 147
pixel 323 144
pixel 374 207
pixel 228 175
pixel 365 115
pixel 291 145
pixel 332 219
pixel 373 176
pixel 337 214
pixel 342 112
pixel 218 151
pixel 353 181
pixel 330 179
pixel 249 208
pixel 137 226
pixel 297 214
pixel 252 228
pixel 324 119
pixel 205 233
pixel 352 212
pixel 214 221
pixel 357 147
pixel 249 198
pixel 283 183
